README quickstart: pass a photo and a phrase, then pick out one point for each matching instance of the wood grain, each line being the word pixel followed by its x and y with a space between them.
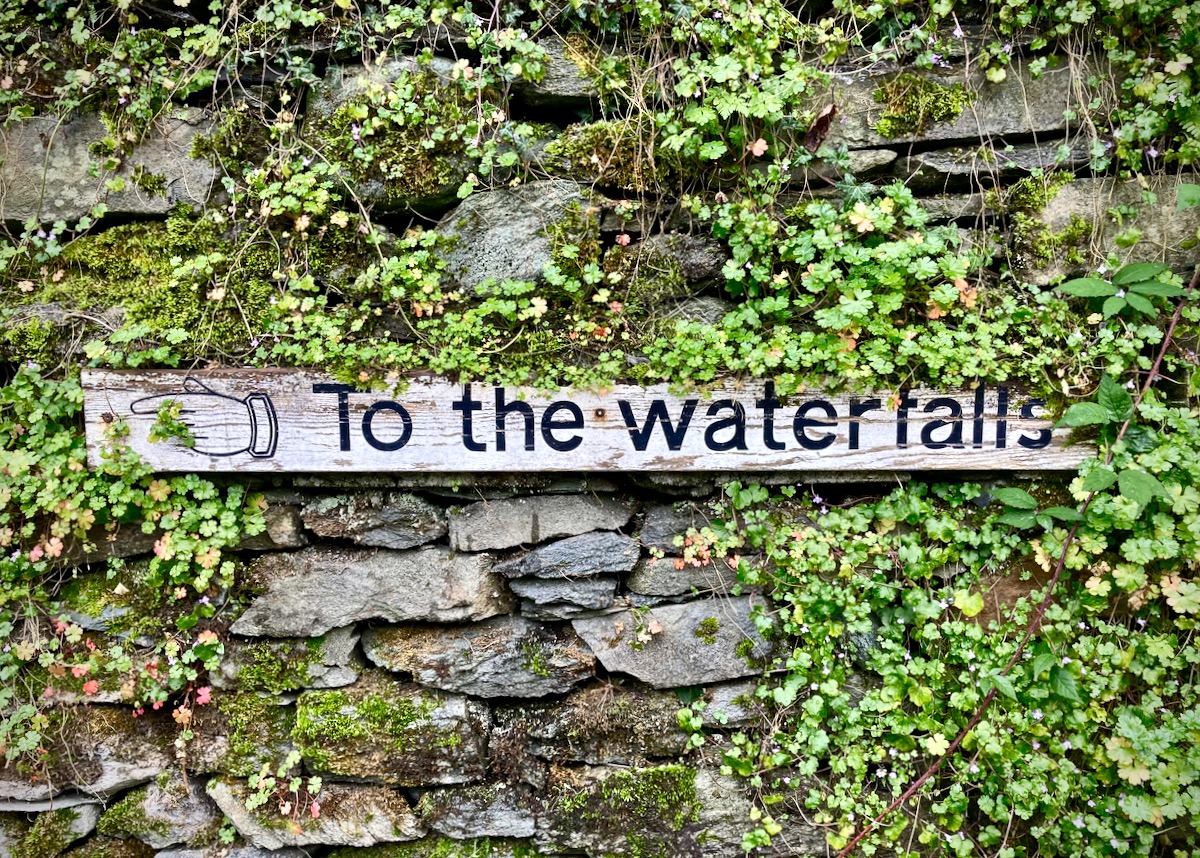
pixel 277 421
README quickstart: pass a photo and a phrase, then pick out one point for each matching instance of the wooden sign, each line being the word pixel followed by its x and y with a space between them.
pixel 298 421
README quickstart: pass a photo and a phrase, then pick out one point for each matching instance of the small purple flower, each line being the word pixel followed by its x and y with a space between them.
pixel 254 343
pixel 1078 822
pixel 122 100
pixel 1152 152
pixel 306 162
pixel 936 59
pixel 204 600
pixel 1008 48
pixel 356 132
pixel 958 31
pixel 1037 745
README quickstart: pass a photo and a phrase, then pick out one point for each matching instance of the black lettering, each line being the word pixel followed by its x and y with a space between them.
pixel 802 423
pixel 1042 438
pixel 977 421
pixel 343 394
pixel 674 435
pixel 767 405
pixel 906 404
pixel 954 439
pixel 737 422
pixel 1002 424
pixel 397 409
pixel 859 407
pixel 549 425
pixel 467 406
pixel 503 410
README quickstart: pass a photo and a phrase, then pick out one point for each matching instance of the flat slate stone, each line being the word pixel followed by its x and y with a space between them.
pixel 500 657
pixel 576 557
pixel 312 591
pixel 239 732
pixel 351 815
pixel 670 646
pixel 565 82
pixel 47 174
pixel 392 520
pixel 564 598
pixel 674 576
pixel 508 523
pixel 1020 104
pixel 494 810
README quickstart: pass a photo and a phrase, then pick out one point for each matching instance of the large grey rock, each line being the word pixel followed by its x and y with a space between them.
pixel 278 665
pixel 48 172
pixel 566 81
pixel 494 810
pixel 393 732
pixel 676 645
pixel 500 657
pixel 1018 105
pixel 351 815
pixel 318 589
pixel 1161 229
pixel 564 598
pixel 525 521
pixel 392 520
pixel 502 235
pixel 53 831
pixel 163 813
pixel 706 310
pixel 601 724
pixel 99 750
pixel 674 576
pixel 576 557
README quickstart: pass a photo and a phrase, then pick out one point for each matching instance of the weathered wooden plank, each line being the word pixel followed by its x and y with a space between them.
pixel 301 421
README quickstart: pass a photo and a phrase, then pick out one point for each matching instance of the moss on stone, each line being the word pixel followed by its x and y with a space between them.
pixel 443 847
pixel 50 835
pixel 255 728
pixel 105 847
pixel 706 630
pixel 329 720
pixel 609 153
pixel 161 273
pixel 912 103
pixel 127 818
pixel 33 339
pixel 660 800
pixel 275 667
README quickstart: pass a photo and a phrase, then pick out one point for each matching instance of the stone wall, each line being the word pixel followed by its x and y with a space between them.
pixel 494 666
pixel 498 662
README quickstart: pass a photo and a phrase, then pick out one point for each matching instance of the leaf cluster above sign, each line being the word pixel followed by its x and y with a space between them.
pixel 300 421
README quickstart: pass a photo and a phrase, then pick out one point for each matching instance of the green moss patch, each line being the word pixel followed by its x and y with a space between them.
pixel 913 103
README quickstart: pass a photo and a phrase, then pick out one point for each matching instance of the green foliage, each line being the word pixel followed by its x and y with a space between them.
pixel 912 103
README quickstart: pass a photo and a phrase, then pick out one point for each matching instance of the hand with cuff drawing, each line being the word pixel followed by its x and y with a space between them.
pixel 218 424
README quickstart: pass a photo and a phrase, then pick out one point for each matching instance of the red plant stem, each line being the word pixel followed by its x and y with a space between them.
pixel 1036 622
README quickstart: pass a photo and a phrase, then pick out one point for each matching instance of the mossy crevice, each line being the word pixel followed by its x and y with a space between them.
pixel 912 103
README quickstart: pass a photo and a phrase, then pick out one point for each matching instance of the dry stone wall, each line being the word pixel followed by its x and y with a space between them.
pixel 492 666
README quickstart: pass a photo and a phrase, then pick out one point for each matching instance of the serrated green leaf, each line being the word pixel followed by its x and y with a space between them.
pixel 1087 287
pixel 1115 400
pixel 1064 513
pixel 1139 486
pixel 1154 287
pixel 713 149
pixel 1063 684
pixel 1018 518
pixel 1112 306
pixel 1083 414
pixel 1140 303
pixel 1137 272
pixel 1099 479
pixel 1015 497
